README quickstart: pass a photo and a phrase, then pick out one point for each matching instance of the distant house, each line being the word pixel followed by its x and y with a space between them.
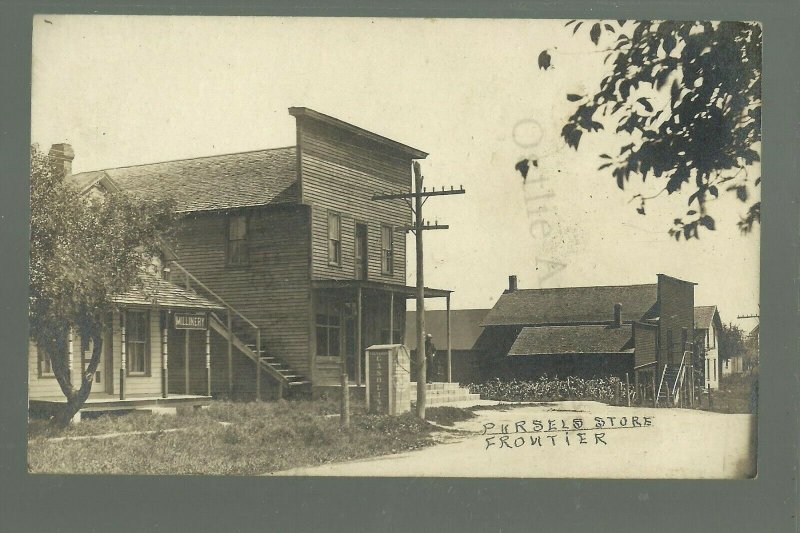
pixel 589 331
pixel 465 328
pixel 707 327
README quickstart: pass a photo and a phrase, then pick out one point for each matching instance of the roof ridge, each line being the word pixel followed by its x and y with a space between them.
pixel 586 287
pixel 187 159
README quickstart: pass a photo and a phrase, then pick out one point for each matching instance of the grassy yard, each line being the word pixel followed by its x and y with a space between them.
pixel 736 394
pixel 226 438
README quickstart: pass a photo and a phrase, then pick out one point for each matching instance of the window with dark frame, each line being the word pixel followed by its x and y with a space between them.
pixel 329 331
pixel 387 250
pixel 45 366
pixel 334 238
pixel 136 350
pixel 238 252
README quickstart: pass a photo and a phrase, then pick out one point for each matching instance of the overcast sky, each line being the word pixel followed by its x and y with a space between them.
pixel 132 90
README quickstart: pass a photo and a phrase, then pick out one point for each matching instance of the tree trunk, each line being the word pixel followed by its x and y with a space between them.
pixel 76 398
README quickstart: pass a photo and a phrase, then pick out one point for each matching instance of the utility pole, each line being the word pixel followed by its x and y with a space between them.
pixel 420 196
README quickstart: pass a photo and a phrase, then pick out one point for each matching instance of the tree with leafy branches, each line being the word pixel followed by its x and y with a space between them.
pixel 84 250
pixel 684 98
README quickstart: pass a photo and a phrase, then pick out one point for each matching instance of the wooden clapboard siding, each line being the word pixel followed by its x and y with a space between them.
pixel 273 289
pixel 341 173
pixel 47 386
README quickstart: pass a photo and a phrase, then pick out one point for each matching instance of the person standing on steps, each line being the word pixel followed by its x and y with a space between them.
pixel 430 354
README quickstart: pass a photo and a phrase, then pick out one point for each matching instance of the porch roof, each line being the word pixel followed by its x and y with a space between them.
pixel 402 290
pixel 157 291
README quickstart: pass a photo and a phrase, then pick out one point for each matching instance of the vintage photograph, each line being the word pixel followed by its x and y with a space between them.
pixel 297 246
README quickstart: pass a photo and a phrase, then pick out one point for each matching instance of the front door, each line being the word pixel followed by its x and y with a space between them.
pixel 361 251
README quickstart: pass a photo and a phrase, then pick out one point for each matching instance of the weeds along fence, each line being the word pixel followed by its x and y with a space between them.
pixel 608 390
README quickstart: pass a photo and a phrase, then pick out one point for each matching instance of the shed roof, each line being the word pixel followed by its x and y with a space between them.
pixel 573 305
pixel 229 181
pixel 544 340
pixel 704 316
pixel 465 327
pixel 165 294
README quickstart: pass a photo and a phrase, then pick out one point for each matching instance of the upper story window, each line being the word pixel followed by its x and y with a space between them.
pixel 136 346
pixel 387 250
pixel 238 252
pixel 334 238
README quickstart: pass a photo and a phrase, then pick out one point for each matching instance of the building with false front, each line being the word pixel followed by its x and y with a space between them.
pixel 308 268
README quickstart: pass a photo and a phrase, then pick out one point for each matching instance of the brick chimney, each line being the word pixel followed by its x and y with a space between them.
pixel 512 283
pixel 63 155
pixel 617 315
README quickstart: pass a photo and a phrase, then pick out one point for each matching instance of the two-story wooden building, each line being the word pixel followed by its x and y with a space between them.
pixel 289 240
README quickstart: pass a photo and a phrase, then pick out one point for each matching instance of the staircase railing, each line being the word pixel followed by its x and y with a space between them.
pixel 679 378
pixel 191 282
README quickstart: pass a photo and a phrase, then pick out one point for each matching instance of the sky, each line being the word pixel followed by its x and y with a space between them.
pixel 126 90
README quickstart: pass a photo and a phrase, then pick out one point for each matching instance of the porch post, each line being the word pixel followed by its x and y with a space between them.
pixel 258 364
pixel 123 362
pixel 165 357
pixel 208 362
pixel 71 355
pixel 186 361
pixel 358 336
pixel 391 317
pixel 230 355
pixel 449 350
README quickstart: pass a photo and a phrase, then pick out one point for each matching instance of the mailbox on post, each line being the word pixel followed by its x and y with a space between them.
pixel 388 379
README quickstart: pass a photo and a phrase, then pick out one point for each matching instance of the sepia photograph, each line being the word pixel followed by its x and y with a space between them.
pixel 394 247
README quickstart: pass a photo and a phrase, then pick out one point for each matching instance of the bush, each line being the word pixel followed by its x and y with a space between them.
pixel 547 389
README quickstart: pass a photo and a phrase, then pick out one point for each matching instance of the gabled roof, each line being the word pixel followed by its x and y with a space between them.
pixel 704 316
pixel 165 294
pixel 465 328
pixel 230 181
pixel 530 307
pixel 545 340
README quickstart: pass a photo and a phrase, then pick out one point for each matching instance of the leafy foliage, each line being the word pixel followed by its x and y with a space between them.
pixel 84 251
pixel 687 96
pixel 547 389
pixel 731 341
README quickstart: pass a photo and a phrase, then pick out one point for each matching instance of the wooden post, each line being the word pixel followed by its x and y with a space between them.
pixel 258 364
pixel 345 405
pixel 449 344
pixel 358 336
pixel 165 357
pixel 230 355
pixel 628 388
pixel 208 362
pixel 655 391
pixel 391 317
pixel 186 347
pixel 123 362
pixel 186 376
pixel 71 355
pixel 710 400
pixel 421 359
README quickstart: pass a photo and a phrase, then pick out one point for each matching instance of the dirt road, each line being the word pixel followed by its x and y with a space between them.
pixel 575 440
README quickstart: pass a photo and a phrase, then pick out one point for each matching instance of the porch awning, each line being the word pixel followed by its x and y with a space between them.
pixel 401 290
pixel 157 291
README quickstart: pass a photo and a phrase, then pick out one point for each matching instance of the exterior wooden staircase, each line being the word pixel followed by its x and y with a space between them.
pixel 672 381
pixel 242 334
